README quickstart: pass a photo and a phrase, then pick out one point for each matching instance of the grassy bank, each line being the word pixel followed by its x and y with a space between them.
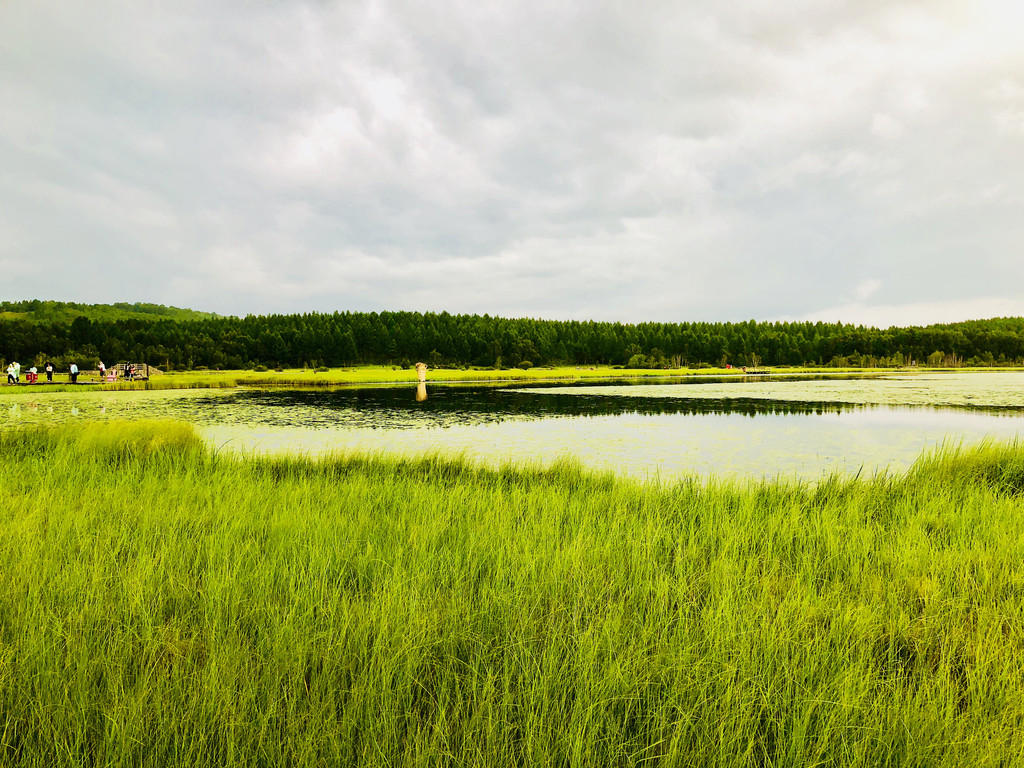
pixel 161 605
pixel 383 374
pixel 359 375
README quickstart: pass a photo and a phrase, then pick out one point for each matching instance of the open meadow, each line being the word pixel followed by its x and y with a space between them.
pixel 161 604
pixel 364 375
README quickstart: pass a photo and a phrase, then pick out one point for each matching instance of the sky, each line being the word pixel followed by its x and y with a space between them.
pixel 858 161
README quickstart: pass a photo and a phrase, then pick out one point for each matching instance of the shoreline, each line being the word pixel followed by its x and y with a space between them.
pixel 376 376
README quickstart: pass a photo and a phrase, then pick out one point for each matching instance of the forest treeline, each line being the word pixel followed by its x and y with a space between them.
pixel 66 311
pixel 401 338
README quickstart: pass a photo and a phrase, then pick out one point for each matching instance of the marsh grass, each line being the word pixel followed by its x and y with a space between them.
pixel 382 374
pixel 164 605
pixel 339 377
pixel 377 374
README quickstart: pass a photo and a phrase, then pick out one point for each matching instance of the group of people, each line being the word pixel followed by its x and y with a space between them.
pixel 129 372
pixel 32 375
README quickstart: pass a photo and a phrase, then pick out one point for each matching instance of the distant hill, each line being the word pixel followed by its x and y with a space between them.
pixel 37 311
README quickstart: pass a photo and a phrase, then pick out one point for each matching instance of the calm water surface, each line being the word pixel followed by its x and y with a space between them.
pixel 753 427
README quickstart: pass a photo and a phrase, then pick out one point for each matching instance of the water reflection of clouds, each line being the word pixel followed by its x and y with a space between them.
pixel 950 418
pixel 642 445
pixel 997 390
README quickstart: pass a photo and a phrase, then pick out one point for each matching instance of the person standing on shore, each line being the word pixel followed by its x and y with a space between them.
pixel 49 372
pixel 103 371
pixel 11 378
pixel 74 373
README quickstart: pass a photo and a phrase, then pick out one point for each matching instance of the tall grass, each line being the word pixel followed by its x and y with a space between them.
pixel 383 374
pixel 164 605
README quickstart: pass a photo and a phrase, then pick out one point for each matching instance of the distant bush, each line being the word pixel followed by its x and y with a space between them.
pixel 322 369
pixel 526 365
pixel 260 368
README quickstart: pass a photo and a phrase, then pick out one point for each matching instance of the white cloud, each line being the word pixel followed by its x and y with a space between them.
pixel 918 313
pixel 657 161
pixel 886 127
pixel 1008 110
pixel 866 288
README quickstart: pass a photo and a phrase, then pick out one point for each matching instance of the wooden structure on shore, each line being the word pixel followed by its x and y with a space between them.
pixel 142 371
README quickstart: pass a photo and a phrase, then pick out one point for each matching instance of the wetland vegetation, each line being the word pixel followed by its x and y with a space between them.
pixel 162 604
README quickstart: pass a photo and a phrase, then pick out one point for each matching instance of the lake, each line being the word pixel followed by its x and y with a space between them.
pixel 800 427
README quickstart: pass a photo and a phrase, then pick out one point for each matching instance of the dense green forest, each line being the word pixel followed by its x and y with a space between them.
pixel 65 311
pixel 174 339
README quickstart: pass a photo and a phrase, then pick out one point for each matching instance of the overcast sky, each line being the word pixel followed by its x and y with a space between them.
pixel 858 160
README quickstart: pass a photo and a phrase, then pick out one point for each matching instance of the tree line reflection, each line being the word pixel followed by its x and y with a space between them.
pixel 447 406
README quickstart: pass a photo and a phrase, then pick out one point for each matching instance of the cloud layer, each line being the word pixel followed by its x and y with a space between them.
pixel 859 161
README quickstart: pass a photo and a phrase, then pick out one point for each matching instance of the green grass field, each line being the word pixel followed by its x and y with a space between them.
pixel 161 605
pixel 386 374
pixel 364 375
